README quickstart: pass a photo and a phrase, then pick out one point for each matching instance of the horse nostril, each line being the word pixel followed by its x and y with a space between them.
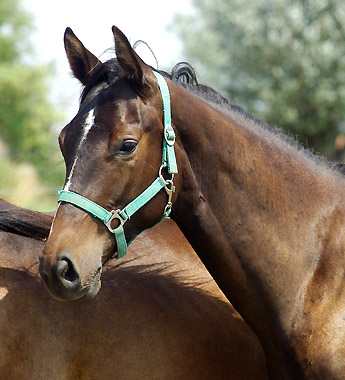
pixel 66 272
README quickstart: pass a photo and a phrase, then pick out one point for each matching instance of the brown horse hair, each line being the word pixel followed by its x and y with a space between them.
pixel 185 76
pixel 24 222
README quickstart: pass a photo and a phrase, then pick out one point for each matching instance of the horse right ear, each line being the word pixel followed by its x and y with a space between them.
pixel 137 72
pixel 81 60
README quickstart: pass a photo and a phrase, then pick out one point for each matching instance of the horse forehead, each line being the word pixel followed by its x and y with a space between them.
pixel 129 111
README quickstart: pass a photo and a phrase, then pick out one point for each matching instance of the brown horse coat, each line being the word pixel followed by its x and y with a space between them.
pixel 159 315
pixel 266 217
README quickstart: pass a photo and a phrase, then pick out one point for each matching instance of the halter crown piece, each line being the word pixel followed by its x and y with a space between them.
pixel 168 161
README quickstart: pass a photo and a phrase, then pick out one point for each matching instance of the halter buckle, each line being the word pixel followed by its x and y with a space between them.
pixel 169 135
pixel 115 214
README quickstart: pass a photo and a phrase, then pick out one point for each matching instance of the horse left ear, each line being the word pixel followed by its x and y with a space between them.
pixel 137 71
pixel 81 60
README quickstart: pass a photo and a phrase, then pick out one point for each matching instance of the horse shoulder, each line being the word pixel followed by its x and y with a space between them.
pixel 319 332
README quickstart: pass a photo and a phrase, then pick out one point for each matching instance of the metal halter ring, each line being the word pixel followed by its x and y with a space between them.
pixel 162 178
pixel 115 215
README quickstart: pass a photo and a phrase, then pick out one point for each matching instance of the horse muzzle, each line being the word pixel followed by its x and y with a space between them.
pixel 63 280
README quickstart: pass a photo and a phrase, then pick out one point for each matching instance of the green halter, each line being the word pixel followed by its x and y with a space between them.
pixel 168 161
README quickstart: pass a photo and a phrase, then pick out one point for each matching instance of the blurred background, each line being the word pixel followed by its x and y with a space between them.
pixel 283 61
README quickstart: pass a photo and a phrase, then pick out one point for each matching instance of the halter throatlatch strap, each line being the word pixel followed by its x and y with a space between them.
pixel 168 161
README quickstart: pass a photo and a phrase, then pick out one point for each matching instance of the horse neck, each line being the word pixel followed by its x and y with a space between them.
pixel 254 208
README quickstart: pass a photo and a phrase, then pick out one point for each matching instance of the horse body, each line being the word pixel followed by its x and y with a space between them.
pixel 159 315
pixel 278 250
pixel 265 217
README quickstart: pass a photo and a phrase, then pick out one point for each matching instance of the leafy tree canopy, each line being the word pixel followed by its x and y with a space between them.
pixel 26 115
pixel 14 26
pixel 283 60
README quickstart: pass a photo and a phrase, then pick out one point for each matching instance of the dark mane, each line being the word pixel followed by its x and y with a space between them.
pixel 184 75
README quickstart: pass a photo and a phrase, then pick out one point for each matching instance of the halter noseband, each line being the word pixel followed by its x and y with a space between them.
pixel 168 161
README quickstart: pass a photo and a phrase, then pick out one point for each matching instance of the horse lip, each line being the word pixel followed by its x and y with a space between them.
pixel 93 287
pixel 83 292
pixel 62 294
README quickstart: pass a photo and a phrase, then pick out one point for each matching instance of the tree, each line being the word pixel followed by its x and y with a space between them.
pixel 282 60
pixel 26 115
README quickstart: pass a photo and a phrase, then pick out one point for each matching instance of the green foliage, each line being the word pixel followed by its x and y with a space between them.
pixel 283 60
pixel 21 185
pixel 14 26
pixel 26 114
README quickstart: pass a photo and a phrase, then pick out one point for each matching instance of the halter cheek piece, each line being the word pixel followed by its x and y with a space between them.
pixel 168 161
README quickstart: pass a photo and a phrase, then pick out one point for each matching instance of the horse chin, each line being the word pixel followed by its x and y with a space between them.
pixel 93 288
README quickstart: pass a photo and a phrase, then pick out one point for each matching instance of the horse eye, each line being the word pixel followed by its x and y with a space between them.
pixel 128 146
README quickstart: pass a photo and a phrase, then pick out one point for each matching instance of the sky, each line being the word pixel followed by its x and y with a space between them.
pixel 91 21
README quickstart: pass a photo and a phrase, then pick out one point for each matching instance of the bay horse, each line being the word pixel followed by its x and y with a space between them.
pixel 153 319
pixel 265 216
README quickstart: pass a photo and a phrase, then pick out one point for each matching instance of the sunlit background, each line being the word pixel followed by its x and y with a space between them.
pixel 151 21
pixel 282 61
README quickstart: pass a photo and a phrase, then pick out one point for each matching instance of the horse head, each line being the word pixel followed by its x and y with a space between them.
pixel 113 152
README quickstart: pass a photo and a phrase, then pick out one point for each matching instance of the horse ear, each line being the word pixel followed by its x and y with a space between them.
pixel 81 60
pixel 137 71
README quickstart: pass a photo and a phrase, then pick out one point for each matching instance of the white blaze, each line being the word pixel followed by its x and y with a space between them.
pixel 87 126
